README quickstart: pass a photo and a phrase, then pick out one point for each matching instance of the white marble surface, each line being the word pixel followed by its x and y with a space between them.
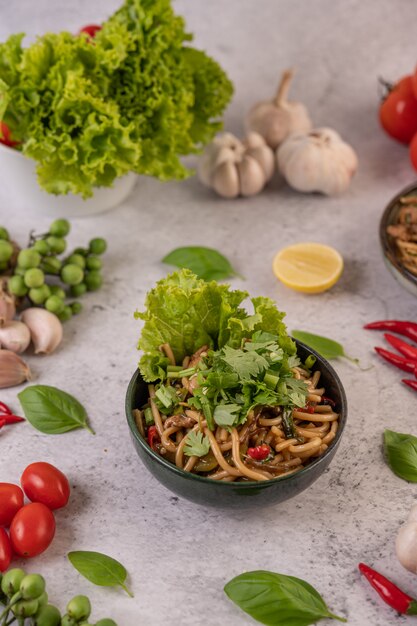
pixel 180 555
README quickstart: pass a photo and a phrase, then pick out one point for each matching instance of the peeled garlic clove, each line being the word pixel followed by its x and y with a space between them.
pixel 7 307
pixel 45 329
pixel 14 336
pixel 226 180
pixel 13 370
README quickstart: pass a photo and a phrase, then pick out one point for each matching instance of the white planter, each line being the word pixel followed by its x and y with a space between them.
pixel 24 195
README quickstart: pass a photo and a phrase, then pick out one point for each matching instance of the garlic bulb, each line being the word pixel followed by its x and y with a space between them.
pixel 406 542
pixel 14 336
pixel 232 167
pixel 45 329
pixel 276 119
pixel 13 370
pixel 7 306
pixel 318 161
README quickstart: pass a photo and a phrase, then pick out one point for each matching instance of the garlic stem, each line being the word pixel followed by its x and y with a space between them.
pixel 284 87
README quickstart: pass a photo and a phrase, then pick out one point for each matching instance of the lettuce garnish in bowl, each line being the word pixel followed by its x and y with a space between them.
pixel 239 360
pixel 136 98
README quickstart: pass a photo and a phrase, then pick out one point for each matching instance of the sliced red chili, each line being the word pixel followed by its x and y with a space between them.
pixel 153 436
pixel 306 409
pixel 259 453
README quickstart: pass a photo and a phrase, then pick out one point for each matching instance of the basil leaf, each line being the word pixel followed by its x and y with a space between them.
pixel 401 453
pixel 52 411
pixel 207 263
pixel 100 569
pixel 278 600
pixel 327 348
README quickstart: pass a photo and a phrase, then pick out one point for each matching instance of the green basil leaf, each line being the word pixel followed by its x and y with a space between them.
pixel 206 263
pixel 401 454
pixel 327 348
pixel 51 410
pixel 100 569
pixel 278 600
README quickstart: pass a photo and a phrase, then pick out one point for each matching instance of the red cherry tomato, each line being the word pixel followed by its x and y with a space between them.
pixel 42 482
pixel 5 550
pixel 32 530
pixel 91 30
pixel 5 136
pixel 11 500
pixel 398 111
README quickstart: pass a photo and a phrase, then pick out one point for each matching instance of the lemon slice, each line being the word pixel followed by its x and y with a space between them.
pixel 308 267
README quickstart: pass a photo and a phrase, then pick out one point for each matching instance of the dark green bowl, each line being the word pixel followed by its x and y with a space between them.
pixel 390 216
pixel 237 495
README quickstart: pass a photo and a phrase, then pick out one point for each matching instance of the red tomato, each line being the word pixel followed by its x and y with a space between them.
pixel 11 500
pixel 398 112
pixel 42 482
pixel 413 151
pixel 91 29
pixel 5 550
pixel 5 137
pixel 32 529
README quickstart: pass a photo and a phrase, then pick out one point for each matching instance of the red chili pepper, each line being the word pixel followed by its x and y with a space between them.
pixel 4 408
pixel 390 593
pixel 410 383
pixel 12 419
pixel 403 347
pixel 2 422
pixel 403 364
pixel 259 453
pixel 153 436
pixel 408 329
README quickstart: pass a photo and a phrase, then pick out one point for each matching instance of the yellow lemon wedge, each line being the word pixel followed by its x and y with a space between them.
pixel 308 267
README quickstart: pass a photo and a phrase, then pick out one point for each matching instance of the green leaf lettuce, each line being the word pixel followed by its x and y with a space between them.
pixel 136 99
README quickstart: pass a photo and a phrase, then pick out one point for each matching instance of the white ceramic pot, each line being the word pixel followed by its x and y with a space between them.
pixel 24 195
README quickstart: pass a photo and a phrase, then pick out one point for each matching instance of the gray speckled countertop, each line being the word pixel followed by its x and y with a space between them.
pixel 180 555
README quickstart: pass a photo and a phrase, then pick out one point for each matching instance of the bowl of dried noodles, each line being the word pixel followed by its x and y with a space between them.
pixel 398 237
pixel 235 413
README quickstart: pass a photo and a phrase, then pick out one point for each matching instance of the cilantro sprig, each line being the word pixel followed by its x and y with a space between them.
pixel 232 381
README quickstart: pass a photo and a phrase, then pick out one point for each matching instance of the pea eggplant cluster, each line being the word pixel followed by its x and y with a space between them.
pixel 31 526
pixel 24 600
pixel 39 275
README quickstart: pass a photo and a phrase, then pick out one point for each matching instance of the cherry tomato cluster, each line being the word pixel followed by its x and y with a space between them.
pixel 398 112
pixel 31 526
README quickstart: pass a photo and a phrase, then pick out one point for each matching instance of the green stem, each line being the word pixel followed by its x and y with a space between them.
pixel 90 430
pixel 333 616
pixel 129 593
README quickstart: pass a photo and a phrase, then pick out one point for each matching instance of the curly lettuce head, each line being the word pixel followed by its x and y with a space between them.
pixel 137 98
